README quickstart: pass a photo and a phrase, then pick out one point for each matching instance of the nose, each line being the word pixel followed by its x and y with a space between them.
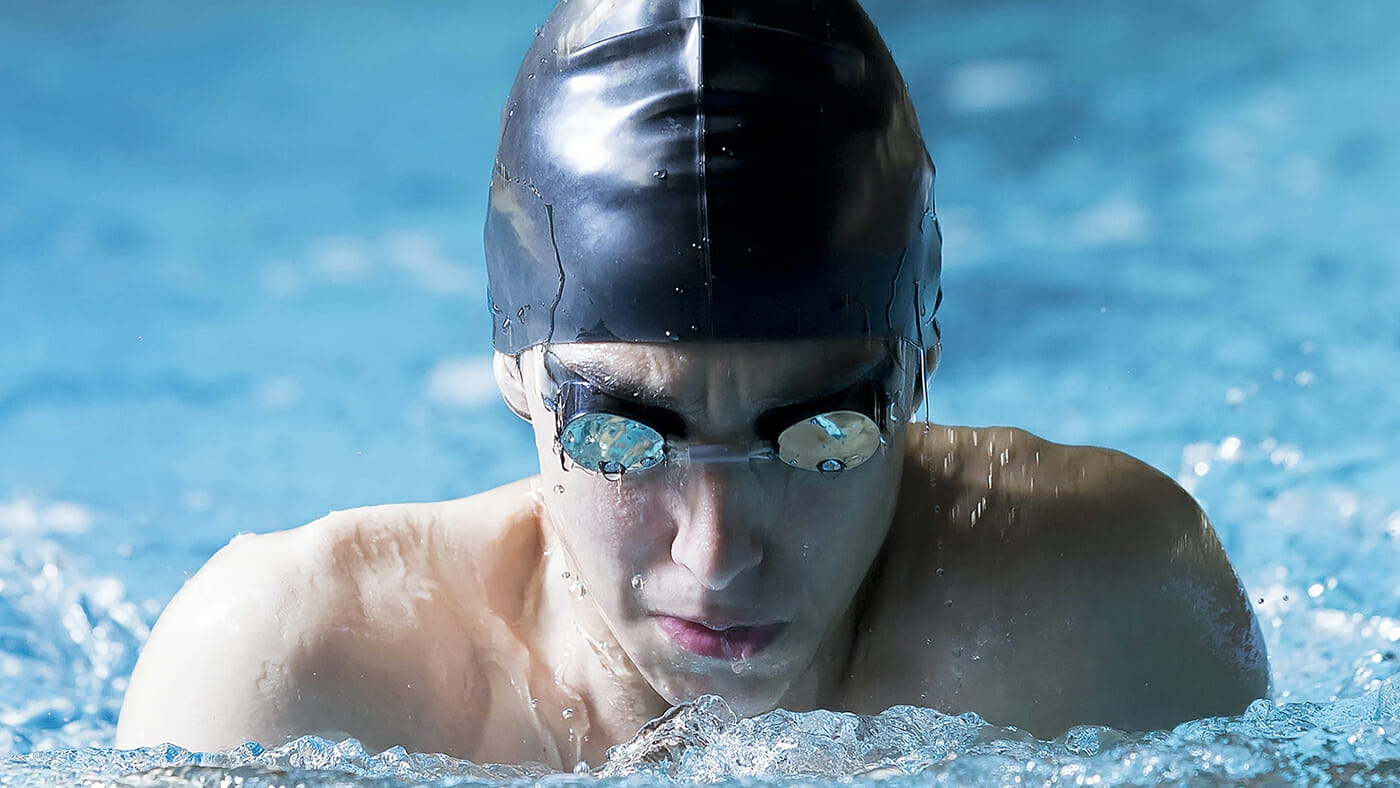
pixel 716 536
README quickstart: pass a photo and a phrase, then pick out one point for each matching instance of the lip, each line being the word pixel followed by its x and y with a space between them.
pixel 731 643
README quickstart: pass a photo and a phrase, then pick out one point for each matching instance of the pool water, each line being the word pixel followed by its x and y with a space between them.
pixel 241 285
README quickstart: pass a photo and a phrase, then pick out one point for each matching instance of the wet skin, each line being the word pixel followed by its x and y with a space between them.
pixel 963 569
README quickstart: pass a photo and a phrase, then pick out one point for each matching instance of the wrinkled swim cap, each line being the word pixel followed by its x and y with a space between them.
pixel 710 170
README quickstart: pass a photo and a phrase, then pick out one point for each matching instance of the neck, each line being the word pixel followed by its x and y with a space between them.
pixel 609 698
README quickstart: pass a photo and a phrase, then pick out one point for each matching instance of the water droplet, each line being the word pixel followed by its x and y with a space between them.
pixel 947 603
pixel 567 574
pixel 558 489
pixel 638 581
pixel 938 571
pixel 534 703
pixel 739 666
pixel 612 470
pixel 567 714
pixel 660 175
pixel 582 766
pixel 831 466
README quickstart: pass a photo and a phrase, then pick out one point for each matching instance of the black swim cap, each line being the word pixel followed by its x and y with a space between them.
pixel 710 170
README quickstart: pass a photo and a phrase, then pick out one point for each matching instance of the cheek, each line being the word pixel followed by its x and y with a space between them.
pixel 836 520
pixel 608 528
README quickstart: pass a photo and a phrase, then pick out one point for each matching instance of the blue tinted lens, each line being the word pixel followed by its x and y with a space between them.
pixel 609 443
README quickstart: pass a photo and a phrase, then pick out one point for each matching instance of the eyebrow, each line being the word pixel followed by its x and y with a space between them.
pixel 608 382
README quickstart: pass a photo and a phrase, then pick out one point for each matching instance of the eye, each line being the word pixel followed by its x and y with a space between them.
pixel 829 442
pixel 609 443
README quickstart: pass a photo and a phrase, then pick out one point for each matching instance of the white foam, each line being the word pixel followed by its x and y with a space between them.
pixel 420 255
pixel 26 514
pixel 461 382
pixel 278 393
pixel 990 85
pixel 1113 221
pixel 341 258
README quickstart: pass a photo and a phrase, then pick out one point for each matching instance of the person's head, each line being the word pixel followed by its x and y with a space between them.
pixel 714 267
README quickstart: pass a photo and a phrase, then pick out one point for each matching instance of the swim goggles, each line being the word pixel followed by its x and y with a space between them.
pixel 605 434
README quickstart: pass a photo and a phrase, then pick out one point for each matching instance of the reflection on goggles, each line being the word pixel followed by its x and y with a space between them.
pixel 611 443
pixel 607 435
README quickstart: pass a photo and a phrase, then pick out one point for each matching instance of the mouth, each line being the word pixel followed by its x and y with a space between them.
pixel 731 643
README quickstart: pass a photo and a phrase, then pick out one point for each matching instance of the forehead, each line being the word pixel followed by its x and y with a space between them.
pixel 759 370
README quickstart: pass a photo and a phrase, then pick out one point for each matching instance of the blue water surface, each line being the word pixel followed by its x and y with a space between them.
pixel 241 285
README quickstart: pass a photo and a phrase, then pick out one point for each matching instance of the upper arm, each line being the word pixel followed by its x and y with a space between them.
pixel 342 627
pixel 1073 585
pixel 215 671
pixel 1159 628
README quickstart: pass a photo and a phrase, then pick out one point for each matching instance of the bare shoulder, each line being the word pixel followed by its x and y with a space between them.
pixel 1018 473
pixel 324 628
pixel 1054 585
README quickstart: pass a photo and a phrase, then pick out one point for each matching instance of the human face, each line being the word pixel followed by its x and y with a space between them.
pixel 726 578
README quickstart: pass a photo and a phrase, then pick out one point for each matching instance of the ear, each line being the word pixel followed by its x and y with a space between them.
pixel 511 383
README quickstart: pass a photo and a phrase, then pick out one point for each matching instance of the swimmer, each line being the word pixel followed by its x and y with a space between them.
pixel 713 275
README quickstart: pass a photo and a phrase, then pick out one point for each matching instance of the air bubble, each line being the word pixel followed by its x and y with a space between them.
pixel 831 466
pixel 660 175
pixel 638 582
pixel 558 489
pixel 567 714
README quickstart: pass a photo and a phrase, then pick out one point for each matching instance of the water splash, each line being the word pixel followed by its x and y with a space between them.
pixel 1356 740
pixel 68 642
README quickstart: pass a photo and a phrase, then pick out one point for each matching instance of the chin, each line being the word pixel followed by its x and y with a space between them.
pixel 758 687
pixel 746 696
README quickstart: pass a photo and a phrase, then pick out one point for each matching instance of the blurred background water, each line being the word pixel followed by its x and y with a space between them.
pixel 241 285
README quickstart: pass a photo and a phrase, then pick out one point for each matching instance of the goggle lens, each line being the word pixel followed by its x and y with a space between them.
pixel 610 443
pixel 829 442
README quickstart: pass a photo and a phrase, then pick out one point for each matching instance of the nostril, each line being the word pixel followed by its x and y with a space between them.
pixel 714 551
pixel 716 538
